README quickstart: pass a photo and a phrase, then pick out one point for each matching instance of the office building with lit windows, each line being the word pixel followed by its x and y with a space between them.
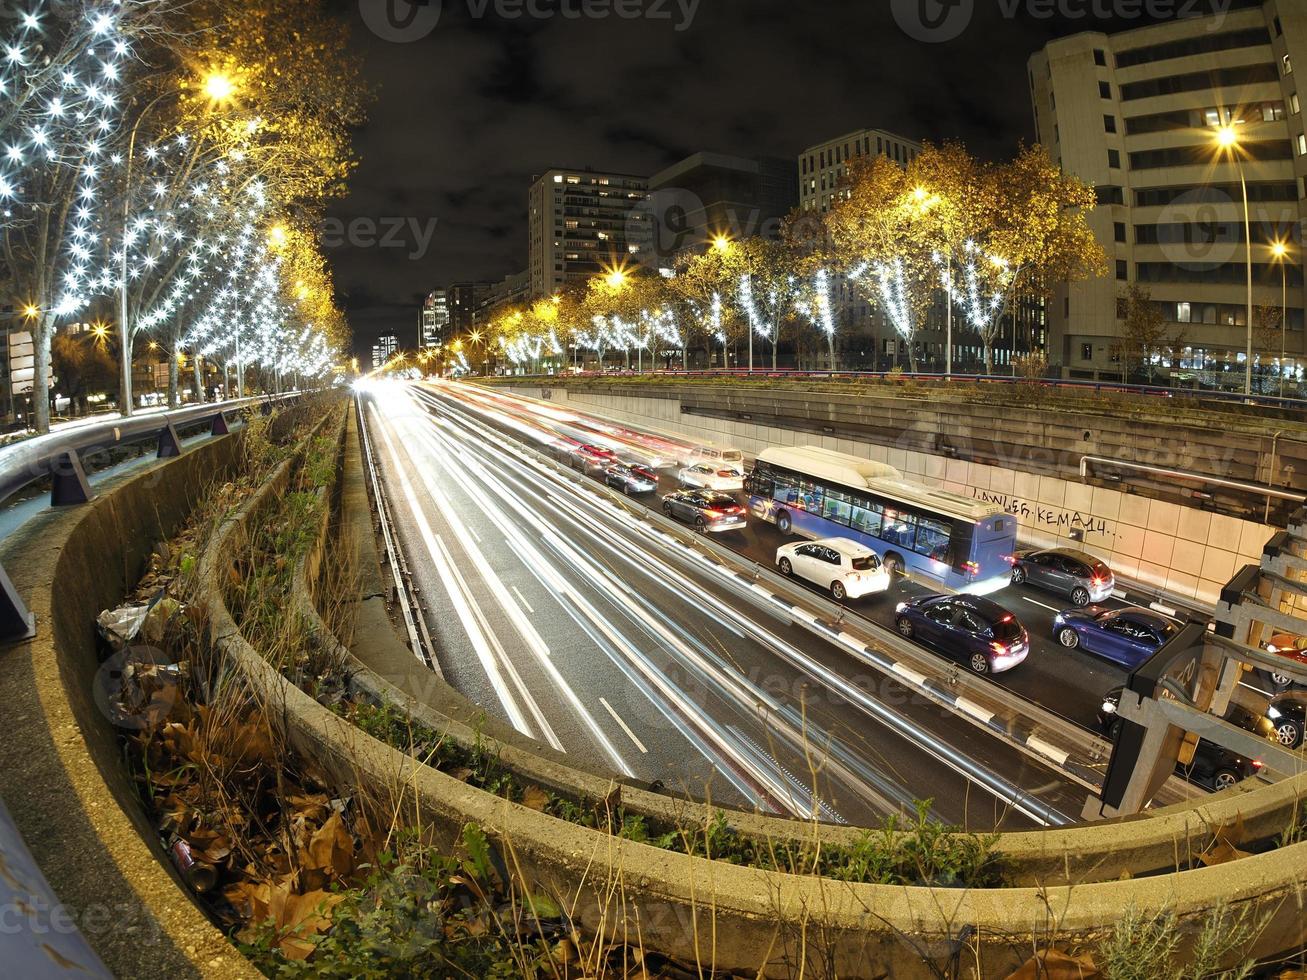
pixel 1140 114
pixel 582 222
pixel 822 167
pixel 435 320
pixel 384 349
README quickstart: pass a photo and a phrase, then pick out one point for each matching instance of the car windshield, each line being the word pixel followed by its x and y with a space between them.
pixel 866 563
pixel 1007 630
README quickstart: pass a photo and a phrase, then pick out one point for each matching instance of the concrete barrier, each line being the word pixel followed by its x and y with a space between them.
pixel 61 770
pixel 729 917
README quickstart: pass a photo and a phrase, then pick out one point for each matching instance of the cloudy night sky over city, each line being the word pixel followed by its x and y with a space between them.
pixel 469 107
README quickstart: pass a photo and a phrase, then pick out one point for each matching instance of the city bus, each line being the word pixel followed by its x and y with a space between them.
pixel 961 543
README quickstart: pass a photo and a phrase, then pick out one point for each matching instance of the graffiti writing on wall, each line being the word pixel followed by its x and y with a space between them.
pixel 1052 518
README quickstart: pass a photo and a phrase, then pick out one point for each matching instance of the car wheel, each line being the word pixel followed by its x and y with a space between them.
pixel 905 626
pixel 838 591
pixel 667 509
pixel 1224 779
pixel 979 663
pixel 700 524
pixel 1288 734
pixel 1018 575
pixel 786 568
pixel 783 523
pixel 1080 597
pixel 1114 729
pixel 1281 680
pixel 1068 637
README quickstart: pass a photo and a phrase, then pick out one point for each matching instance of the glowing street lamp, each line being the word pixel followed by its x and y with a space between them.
pixel 616 279
pixel 1227 142
pixel 721 244
pixel 219 87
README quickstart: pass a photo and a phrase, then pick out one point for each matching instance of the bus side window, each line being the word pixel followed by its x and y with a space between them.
pixel 866 518
pixel 899 528
pixel 836 507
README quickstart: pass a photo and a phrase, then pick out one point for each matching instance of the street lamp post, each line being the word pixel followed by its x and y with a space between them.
pixel 1281 253
pixel 1227 138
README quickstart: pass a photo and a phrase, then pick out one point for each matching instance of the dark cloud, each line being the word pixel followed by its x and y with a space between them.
pixel 468 113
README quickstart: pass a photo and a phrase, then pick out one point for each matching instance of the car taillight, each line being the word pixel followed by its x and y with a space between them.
pixel 1099 581
pixel 971 567
pixel 712 513
pixel 1010 559
pixel 1259 764
pixel 998 648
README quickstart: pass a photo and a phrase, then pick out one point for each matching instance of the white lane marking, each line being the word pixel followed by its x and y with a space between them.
pixel 475 537
pixel 803 614
pixel 849 640
pixel 760 590
pixel 1164 610
pixel 1043 748
pixel 626 728
pixel 1042 605
pixel 522 599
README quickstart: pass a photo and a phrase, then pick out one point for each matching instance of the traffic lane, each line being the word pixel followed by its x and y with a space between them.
pixel 497 673
pixel 671 768
pixel 1069 683
pixel 796 766
pixel 954 730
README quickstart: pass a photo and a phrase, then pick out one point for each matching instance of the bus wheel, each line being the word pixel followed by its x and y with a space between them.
pixel 893 565
pixel 783 523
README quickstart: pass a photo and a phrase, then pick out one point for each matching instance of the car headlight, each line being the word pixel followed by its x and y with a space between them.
pixel 900 607
pixel 1058 620
pixel 1109 707
pixel 1270 648
pixel 1273 713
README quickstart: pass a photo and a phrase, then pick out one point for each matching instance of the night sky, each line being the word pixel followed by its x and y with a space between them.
pixel 468 109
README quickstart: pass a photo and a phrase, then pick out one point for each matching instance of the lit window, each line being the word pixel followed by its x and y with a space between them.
pixel 1302 145
pixel 558 178
pixel 1288 65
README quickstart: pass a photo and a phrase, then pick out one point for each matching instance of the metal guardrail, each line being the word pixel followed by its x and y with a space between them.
pixel 58 455
pixel 1098 387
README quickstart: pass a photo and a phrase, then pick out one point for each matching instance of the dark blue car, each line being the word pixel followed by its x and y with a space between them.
pixel 1125 636
pixel 976 631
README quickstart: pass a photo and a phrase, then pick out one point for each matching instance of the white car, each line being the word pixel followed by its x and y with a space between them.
pixel 706 476
pixel 850 570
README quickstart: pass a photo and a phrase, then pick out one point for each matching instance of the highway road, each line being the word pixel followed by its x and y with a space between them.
pixel 583 627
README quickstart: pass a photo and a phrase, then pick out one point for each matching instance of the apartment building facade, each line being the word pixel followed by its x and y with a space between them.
pixel 822 167
pixel 1139 114
pixel 582 222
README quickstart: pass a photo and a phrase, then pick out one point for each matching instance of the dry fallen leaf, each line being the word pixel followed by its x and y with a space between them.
pixel 1053 964
pixel 535 798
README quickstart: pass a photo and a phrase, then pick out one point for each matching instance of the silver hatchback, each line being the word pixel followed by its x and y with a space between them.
pixel 1079 576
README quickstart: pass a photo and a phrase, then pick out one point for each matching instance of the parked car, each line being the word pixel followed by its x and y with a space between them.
pixel 1079 576
pixel 850 570
pixel 1291 647
pixel 707 510
pixel 629 480
pixel 725 478
pixel 1126 636
pixel 972 629
pixel 1213 766
pixel 1286 713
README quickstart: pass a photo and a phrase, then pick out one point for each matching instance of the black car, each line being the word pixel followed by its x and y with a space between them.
pixel 629 480
pixel 707 510
pixel 975 630
pixel 1285 714
pixel 1214 766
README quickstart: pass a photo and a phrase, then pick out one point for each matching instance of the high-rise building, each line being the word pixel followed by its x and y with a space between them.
pixel 463 299
pixel 435 320
pixel 583 222
pixel 510 290
pixel 384 349
pixel 714 194
pixel 1140 115
pixel 822 167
